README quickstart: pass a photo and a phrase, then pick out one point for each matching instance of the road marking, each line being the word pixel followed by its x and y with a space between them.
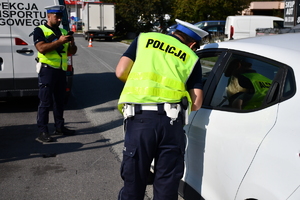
pixel 99 59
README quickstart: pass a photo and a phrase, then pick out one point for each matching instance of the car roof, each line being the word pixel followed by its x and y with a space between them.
pixel 201 22
pixel 282 47
pixel 213 21
pixel 255 16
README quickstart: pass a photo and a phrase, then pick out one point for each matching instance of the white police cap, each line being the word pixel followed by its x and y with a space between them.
pixel 55 9
pixel 190 29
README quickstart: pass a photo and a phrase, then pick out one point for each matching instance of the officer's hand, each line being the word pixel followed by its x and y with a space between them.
pixel 65 38
pixel 70 37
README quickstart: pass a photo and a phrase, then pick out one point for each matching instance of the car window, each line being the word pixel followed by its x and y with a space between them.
pixel 203 24
pixel 212 29
pixel 278 24
pixel 207 64
pixel 199 25
pixel 289 88
pixel 244 83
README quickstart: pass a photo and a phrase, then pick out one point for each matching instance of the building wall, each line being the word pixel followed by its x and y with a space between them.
pixel 268 8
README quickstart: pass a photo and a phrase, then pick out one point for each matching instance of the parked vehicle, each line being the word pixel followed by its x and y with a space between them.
pixel 18 76
pixel 212 26
pixel 78 26
pixel 171 29
pixel 158 27
pixel 272 31
pixel 215 32
pixel 203 24
pixel 98 20
pixel 245 26
pixel 253 152
pixel 213 29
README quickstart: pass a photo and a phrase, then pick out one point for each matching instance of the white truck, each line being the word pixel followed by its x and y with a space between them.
pixel 98 20
pixel 18 18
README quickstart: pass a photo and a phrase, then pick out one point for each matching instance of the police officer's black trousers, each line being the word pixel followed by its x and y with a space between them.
pixel 52 86
pixel 150 136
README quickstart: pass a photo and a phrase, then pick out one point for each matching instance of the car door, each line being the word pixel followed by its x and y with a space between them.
pixel 222 140
pixel 274 173
pixel 26 16
pixel 6 63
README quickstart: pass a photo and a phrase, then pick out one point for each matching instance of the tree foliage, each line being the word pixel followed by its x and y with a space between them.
pixel 138 15
pixel 200 10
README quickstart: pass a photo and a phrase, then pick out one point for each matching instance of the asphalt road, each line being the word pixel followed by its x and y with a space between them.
pixel 81 167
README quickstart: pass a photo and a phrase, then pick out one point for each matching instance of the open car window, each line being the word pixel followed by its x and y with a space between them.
pixel 243 82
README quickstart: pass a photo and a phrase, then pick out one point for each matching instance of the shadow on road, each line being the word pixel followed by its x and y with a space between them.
pixel 19 143
pixel 18 135
pixel 18 104
pixel 96 89
pixel 87 90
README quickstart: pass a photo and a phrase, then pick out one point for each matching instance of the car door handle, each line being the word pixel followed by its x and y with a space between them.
pixel 27 51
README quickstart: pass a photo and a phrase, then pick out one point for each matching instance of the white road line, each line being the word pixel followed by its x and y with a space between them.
pixel 99 59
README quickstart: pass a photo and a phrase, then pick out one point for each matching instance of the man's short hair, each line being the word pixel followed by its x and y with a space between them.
pixel 187 39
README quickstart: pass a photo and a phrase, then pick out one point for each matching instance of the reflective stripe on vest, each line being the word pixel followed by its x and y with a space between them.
pixel 53 58
pixel 162 78
pixel 261 86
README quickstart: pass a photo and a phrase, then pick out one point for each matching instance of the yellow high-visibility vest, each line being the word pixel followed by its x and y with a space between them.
pixel 261 86
pixel 162 67
pixel 53 58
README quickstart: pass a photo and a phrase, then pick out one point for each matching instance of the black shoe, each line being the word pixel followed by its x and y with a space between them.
pixel 45 137
pixel 64 131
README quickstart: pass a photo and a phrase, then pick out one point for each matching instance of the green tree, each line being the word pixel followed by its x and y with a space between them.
pixel 200 10
pixel 138 15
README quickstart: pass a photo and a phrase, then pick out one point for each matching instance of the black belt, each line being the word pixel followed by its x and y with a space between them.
pixel 46 65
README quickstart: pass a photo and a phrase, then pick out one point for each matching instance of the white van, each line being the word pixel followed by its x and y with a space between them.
pixel 245 26
pixel 18 18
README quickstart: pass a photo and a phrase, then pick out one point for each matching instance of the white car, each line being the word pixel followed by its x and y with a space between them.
pixel 247 152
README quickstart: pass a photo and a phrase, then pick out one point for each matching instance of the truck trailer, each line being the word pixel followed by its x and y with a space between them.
pixel 98 20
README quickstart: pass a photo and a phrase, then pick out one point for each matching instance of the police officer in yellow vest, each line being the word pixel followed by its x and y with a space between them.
pixel 246 88
pixel 162 76
pixel 53 45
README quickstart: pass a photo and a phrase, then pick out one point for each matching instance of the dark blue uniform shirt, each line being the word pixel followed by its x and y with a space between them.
pixel 195 79
pixel 38 34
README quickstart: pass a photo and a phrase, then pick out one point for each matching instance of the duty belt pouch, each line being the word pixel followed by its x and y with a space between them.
pixel 128 111
pixel 186 116
pixel 172 111
pixel 185 110
pixel 38 67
